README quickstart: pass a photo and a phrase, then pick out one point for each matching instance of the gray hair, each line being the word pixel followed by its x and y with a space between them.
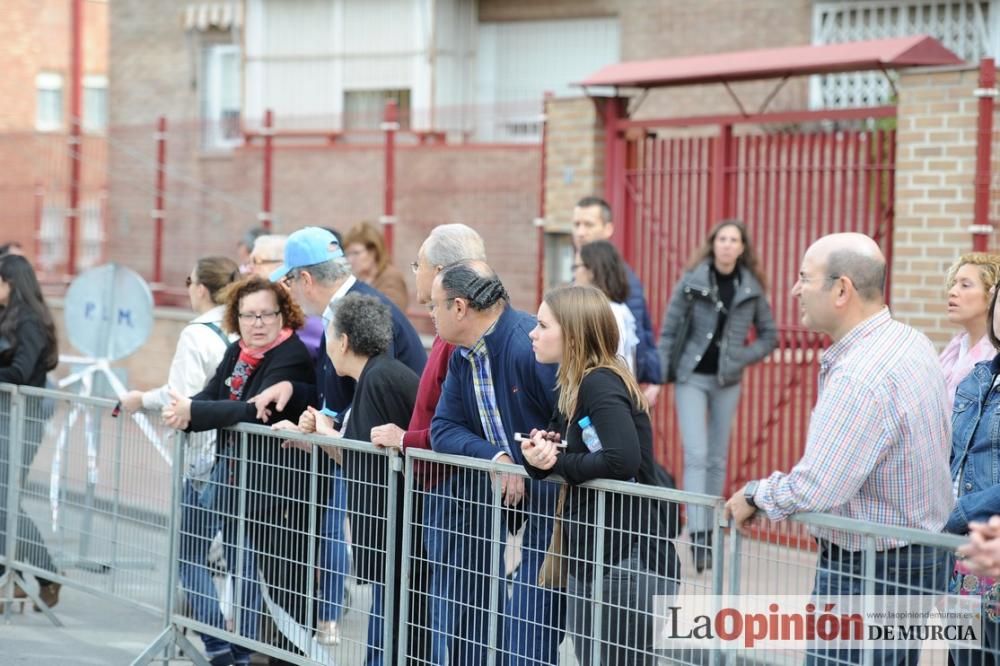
pixel 451 243
pixel 865 271
pixel 367 323
pixel 475 282
pixel 269 246
pixel 326 272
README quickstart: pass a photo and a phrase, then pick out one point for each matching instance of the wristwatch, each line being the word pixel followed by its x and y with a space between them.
pixel 749 491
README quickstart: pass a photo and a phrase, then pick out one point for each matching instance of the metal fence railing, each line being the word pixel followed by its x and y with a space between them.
pixel 334 552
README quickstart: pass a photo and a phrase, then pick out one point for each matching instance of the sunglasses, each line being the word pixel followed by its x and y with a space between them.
pixel 188 281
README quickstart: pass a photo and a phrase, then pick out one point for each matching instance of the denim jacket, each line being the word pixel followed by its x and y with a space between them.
pixel 975 451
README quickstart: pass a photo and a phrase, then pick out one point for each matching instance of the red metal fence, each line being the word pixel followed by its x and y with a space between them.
pixel 790 186
pixel 156 197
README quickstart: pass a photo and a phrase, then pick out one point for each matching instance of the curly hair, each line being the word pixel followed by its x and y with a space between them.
pixel 367 323
pixel 988 266
pixel 291 314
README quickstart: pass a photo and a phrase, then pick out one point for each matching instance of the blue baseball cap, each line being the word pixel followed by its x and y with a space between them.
pixel 307 247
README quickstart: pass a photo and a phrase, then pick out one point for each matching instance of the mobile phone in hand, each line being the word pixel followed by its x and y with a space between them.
pixel 521 437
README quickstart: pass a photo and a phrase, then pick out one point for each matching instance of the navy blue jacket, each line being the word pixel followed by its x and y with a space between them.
pixel 525 392
pixel 335 392
pixel 647 359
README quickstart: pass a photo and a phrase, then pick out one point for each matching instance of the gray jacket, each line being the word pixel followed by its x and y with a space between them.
pixel 695 290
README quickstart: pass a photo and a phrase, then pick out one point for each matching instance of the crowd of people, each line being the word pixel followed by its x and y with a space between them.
pixel 309 335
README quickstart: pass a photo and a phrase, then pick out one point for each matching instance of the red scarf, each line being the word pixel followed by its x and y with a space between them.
pixel 249 359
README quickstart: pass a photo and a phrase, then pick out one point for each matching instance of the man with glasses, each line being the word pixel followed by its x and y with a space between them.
pixel 879 438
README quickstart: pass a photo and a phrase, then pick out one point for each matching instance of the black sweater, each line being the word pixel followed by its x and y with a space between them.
pixel 272 470
pixel 385 393
pixel 626 445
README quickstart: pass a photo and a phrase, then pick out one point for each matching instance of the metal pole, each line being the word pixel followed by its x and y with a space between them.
pixel 15 414
pixel 265 208
pixel 390 125
pixel 39 211
pixel 597 591
pixel 721 203
pixel 74 142
pixel 986 92
pixel 613 111
pixel 407 558
pixel 392 464
pixel 158 206
pixel 540 220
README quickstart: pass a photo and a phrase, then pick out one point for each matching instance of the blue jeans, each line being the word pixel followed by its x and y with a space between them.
pixel 334 562
pixel 199 525
pixel 900 571
pixel 438 538
pixel 458 539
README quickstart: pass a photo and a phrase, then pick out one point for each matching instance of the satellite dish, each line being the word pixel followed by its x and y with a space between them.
pixel 109 312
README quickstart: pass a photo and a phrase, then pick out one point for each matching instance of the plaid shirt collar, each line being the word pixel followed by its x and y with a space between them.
pixel 839 349
pixel 479 347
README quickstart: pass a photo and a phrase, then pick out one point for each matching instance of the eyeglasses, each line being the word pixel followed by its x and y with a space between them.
pixel 188 281
pixel 260 262
pixel 805 279
pixel 264 317
pixel 414 265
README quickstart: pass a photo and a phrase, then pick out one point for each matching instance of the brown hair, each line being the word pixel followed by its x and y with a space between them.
pixel 748 259
pixel 602 259
pixel 215 273
pixel 589 342
pixel 365 233
pixel 291 314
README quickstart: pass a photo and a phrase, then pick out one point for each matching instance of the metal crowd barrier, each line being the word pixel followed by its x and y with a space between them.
pixel 88 498
pixel 416 560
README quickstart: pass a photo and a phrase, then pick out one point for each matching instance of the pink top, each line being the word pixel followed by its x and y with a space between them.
pixel 957 359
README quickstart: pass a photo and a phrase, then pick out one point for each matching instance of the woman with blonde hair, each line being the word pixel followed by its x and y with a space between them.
pixel 370 263
pixel 970 281
pixel 604 419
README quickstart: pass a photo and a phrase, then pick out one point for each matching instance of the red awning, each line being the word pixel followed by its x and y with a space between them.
pixel 895 53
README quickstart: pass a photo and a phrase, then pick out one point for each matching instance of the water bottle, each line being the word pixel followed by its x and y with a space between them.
pixel 589 434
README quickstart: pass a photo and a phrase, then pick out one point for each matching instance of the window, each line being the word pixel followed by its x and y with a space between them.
pixel 95 103
pixel 967 28
pixel 220 96
pixel 365 109
pixel 511 84
pixel 49 102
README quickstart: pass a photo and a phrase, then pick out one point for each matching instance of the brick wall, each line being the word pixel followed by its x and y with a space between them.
pixel 574 158
pixel 935 169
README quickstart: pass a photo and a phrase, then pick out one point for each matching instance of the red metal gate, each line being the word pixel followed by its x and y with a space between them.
pixel 790 186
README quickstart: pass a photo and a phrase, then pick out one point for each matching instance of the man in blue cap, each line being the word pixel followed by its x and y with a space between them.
pixel 318 275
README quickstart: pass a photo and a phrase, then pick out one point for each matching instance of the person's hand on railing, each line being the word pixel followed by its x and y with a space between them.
pixel 279 394
pixel 131 401
pixel 511 485
pixel 739 510
pixel 178 413
pixel 388 436
pixel 982 553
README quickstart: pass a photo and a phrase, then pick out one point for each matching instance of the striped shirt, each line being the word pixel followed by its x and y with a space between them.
pixel 879 438
pixel 486 400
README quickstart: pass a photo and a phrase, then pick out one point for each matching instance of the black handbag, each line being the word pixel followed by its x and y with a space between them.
pixel 680 338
